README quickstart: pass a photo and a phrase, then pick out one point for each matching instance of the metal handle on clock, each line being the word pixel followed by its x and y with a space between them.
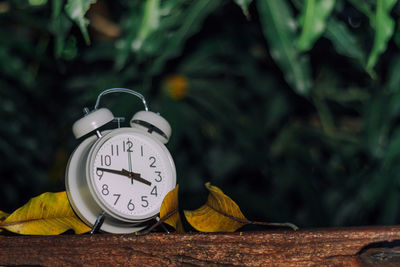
pixel 121 90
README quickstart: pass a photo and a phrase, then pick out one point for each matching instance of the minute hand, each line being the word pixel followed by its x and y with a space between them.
pixel 113 171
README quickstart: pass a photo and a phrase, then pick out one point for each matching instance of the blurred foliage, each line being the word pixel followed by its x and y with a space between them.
pixel 290 106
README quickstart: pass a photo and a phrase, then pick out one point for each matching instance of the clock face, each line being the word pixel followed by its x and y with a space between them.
pixel 131 174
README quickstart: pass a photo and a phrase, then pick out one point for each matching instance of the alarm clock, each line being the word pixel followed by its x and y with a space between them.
pixel 117 179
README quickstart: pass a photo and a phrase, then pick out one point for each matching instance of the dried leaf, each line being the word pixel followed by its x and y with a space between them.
pixel 219 214
pixel 222 214
pixel 3 216
pixel 47 214
pixel 169 212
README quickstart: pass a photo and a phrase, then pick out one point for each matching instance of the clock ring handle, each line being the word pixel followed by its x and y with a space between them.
pixel 121 90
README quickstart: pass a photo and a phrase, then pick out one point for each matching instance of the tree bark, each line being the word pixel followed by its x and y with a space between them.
pixel 354 246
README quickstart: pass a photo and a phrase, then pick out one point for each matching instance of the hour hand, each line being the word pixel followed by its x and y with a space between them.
pixel 136 177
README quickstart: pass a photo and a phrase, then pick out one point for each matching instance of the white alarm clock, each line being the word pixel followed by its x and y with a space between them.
pixel 117 179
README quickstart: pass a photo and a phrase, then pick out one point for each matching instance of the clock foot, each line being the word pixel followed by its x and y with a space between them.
pixel 162 225
pixel 98 223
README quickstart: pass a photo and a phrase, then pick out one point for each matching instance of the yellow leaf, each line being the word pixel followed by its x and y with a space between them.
pixel 3 216
pixel 169 212
pixel 47 214
pixel 219 214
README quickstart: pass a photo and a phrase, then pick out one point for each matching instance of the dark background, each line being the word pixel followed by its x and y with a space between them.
pixel 290 107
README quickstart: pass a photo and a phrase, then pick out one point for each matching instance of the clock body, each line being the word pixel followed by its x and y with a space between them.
pixel 124 174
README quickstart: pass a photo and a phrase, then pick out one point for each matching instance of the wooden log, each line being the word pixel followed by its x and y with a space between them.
pixel 354 246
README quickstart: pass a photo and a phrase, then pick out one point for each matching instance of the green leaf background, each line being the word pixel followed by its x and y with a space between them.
pixel 290 106
pixel 76 10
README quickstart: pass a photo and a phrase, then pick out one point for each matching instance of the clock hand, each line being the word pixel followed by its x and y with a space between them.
pixel 112 171
pixel 136 176
pixel 132 175
pixel 130 164
pixel 125 173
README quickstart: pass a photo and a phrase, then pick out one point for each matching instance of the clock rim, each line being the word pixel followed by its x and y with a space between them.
pixel 92 187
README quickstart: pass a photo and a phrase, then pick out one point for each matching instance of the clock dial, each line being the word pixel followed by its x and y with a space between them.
pixel 131 175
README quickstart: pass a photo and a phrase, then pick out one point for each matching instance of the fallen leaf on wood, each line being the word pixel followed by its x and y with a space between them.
pixel 3 216
pixel 169 212
pixel 47 214
pixel 219 214
pixel 222 214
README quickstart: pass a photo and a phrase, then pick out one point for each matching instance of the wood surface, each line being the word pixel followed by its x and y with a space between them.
pixel 354 246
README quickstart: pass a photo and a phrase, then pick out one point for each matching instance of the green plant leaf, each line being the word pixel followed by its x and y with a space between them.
pixel 384 28
pixel 279 28
pixel 397 34
pixel 377 123
pixel 150 22
pixel 244 5
pixel 364 7
pixel 76 10
pixel 392 153
pixel 191 23
pixel 313 22
pixel 177 21
pixel 393 83
pixel 344 42
pixel 56 8
pixel 59 26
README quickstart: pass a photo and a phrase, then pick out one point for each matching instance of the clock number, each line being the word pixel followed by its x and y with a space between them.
pixel 141 151
pixel 105 190
pixel 116 150
pixel 118 196
pixel 105 160
pixel 130 205
pixel 154 191
pixel 127 146
pixel 145 203
pixel 153 159
pixel 158 176
pixel 99 173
